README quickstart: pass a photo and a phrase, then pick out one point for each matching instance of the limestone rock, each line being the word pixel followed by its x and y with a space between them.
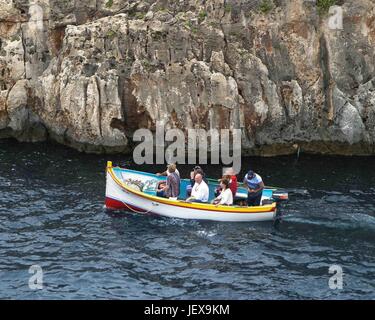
pixel 89 73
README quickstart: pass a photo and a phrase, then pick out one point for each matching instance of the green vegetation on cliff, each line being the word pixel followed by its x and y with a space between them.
pixel 324 5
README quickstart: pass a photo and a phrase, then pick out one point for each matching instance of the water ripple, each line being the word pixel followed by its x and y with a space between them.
pixel 51 214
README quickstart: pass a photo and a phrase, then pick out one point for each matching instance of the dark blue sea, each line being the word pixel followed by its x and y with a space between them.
pixel 52 216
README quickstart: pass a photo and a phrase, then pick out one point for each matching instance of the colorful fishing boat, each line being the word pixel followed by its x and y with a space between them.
pixel 136 191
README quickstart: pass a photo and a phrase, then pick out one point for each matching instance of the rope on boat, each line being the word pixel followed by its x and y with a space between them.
pixel 136 211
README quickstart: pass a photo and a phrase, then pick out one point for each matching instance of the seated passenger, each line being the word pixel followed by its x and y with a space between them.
pixel 226 196
pixel 200 192
pixel 233 184
pixel 172 187
pixel 160 189
pixel 196 170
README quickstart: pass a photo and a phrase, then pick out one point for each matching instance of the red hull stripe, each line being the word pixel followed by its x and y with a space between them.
pixel 118 205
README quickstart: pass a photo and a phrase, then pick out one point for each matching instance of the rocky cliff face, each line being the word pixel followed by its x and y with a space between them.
pixel 89 73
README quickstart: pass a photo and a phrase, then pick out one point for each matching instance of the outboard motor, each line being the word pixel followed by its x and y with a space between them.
pixel 279 196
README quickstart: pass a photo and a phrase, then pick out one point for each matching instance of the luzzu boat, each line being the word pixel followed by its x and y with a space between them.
pixel 135 191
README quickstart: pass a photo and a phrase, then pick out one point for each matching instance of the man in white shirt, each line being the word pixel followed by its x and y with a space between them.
pixel 255 186
pixel 200 192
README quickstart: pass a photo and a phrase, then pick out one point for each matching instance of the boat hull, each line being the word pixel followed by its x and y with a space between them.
pixel 121 197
